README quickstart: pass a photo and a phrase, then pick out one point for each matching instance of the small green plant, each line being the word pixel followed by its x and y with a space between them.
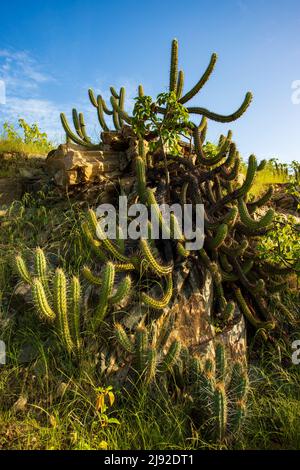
pixel 27 139
pixel 281 244
pixel 105 400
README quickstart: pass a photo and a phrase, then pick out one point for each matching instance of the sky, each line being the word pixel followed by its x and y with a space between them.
pixel 51 52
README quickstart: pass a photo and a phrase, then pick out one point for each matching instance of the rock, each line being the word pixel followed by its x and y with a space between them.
pixel 20 404
pixel 191 319
pixel 72 164
pixel 22 296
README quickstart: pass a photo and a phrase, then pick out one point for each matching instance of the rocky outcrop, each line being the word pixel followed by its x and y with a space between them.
pixel 72 164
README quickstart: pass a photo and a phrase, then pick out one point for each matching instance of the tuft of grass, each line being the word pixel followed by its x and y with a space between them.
pixel 264 179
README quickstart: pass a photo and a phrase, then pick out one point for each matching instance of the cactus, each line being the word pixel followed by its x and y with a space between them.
pixel 249 222
pixel 174 66
pixel 22 270
pixel 158 268
pixel 52 302
pixel 219 394
pixel 60 302
pixel 40 301
pixel 148 357
pixel 159 304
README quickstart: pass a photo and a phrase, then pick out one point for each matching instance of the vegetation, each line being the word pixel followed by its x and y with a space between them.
pixel 28 139
pixel 81 377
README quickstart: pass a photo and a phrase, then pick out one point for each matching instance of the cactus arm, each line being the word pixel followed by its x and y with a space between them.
pixel 89 276
pixel 200 152
pixel 73 136
pixel 261 201
pixel 105 108
pixel 220 362
pixel 251 170
pixel 235 249
pixel 262 165
pixel 171 357
pixel 60 300
pixel 152 359
pixel 122 115
pixel 86 138
pixel 220 118
pixel 220 411
pixel 151 202
pixel 123 338
pixel 76 123
pixel 219 238
pixel 114 93
pixel 141 91
pixel 180 84
pixel 22 270
pixel 232 277
pixel 109 246
pixel 76 303
pixel 258 324
pixel 105 293
pixel 141 347
pixel 93 244
pixel 122 291
pixel 40 301
pixel 174 66
pixel 100 114
pixel 157 268
pixel 140 170
pixel 164 301
pixel 121 105
pixel 92 97
pixel 188 96
pixel 250 223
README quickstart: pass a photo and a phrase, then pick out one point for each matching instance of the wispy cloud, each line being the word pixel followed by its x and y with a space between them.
pixel 23 78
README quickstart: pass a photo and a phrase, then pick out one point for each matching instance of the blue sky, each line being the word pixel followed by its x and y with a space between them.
pixel 51 52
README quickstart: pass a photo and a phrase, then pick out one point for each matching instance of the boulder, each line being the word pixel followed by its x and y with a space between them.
pixel 72 164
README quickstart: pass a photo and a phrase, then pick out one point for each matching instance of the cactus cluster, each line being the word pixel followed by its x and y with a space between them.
pixel 219 393
pixel 196 177
pixel 56 300
pixel 151 357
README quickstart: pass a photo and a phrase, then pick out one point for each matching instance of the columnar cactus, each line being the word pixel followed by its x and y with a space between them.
pixel 219 393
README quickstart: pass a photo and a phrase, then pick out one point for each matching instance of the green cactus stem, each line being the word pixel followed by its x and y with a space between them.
pixel 174 66
pixel 123 339
pixel 258 324
pixel 40 301
pixel 22 270
pixel 188 96
pixel 172 356
pixel 220 411
pixel 159 304
pixel 75 310
pixel 222 118
pixel 250 223
pixel 105 293
pixel 158 268
pixel 123 291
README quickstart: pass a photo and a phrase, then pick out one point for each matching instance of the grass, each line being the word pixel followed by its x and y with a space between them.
pixel 23 148
pixel 264 178
pixel 48 402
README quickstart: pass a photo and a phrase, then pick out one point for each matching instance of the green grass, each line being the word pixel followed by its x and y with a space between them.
pixel 59 397
pixel 264 178
pixel 20 147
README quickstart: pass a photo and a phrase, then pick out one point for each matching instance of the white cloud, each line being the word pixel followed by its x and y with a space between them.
pixel 43 112
pixel 23 77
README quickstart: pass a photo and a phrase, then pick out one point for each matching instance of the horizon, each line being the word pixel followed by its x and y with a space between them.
pixel 52 53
